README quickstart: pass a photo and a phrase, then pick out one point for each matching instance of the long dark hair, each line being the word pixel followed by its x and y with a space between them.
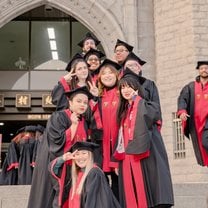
pixel 123 103
pixel 75 80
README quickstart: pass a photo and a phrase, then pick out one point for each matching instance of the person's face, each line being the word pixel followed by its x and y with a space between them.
pixel 82 158
pixel 107 77
pixel 203 71
pixel 133 66
pixel 81 71
pixel 93 61
pixel 127 92
pixel 89 43
pixel 121 53
pixel 79 103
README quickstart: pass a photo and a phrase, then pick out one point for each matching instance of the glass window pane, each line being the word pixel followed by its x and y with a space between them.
pixel 14 80
pixel 14 44
pixel 49 45
pixel 45 79
pixel 78 32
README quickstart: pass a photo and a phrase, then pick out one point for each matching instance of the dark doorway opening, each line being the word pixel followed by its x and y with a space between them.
pixel 8 131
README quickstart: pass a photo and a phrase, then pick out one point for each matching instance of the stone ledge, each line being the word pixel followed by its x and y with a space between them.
pixel 187 195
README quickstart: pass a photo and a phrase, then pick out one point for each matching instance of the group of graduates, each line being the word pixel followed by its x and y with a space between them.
pixel 20 160
pixel 102 147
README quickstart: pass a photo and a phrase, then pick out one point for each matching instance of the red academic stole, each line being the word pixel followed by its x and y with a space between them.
pixel 110 127
pixel 80 134
pixel 134 188
pixel 201 115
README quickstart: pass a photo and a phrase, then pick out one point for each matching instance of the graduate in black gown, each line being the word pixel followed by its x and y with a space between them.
pixel 9 173
pixel 193 111
pixel 144 175
pixel 63 129
pixel 89 41
pixel 93 58
pixel 121 51
pixel 134 64
pixel 89 187
pixel 78 75
pixel 26 151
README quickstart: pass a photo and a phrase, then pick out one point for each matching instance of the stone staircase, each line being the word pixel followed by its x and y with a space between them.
pixel 187 195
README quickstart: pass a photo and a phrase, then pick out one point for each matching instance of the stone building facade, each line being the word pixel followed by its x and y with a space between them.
pixel 171 35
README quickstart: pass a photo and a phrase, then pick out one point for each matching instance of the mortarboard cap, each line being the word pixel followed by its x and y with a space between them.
pixel 120 42
pixel 90 146
pixel 110 62
pixel 79 90
pixel 40 128
pixel 200 63
pixel 129 73
pixel 87 37
pixel 133 56
pixel 69 65
pixel 93 51
pixel 30 128
pixel 20 130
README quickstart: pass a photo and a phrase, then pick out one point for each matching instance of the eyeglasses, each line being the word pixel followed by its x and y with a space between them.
pixel 93 59
pixel 120 50
pixel 132 65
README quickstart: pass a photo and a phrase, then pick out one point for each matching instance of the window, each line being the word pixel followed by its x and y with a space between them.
pixel 36 47
pixel 179 138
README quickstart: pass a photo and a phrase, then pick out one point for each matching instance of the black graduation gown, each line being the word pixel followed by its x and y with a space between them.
pixel 155 167
pixel 59 99
pixel 150 92
pixel 54 145
pixel 186 102
pixel 96 191
pixel 25 169
pixel 9 173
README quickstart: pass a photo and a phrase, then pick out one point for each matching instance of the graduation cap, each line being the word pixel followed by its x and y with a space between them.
pixel 120 42
pixel 110 62
pixel 200 63
pixel 90 146
pixel 133 56
pixel 79 90
pixel 30 128
pixel 75 57
pixel 93 51
pixel 20 130
pixel 129 73
pixel 40 128
pixel 87 37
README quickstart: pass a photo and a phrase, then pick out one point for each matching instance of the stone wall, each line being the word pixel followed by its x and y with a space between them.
pixel 177 35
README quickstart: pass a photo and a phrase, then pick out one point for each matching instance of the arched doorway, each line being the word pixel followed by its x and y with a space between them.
pixel 24 79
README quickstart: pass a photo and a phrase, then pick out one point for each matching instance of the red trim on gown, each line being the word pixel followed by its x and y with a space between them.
pixel 134 189
pixel 75 201
pixel 201 115
pixel 110 102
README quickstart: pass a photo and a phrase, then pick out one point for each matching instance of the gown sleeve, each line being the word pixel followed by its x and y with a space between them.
pixel 97 192
pixel 58 95
pixel 56 130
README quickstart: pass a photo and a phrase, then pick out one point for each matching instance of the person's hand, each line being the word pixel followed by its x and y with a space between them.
pixel 68 77
pixel 184 116
pixel 69 155
pixel 93 89
pixel 134 93
pixel 116 171
pixel 74 118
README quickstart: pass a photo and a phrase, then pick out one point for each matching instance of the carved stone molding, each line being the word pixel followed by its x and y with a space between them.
pixel 89 12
